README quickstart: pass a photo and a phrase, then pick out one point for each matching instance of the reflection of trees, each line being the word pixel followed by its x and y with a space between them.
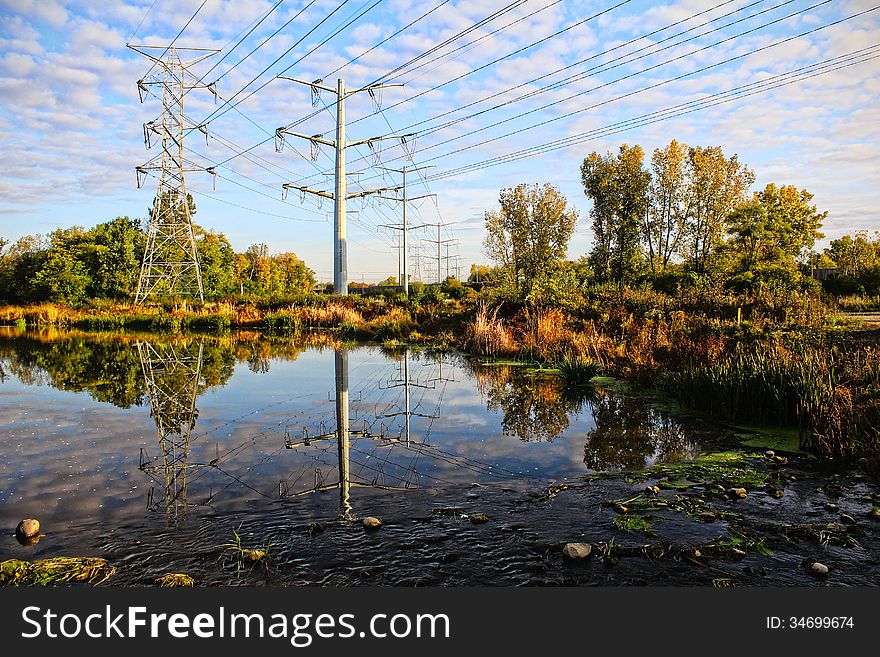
pixel 629 434
pixel 535 408
pixel 109 369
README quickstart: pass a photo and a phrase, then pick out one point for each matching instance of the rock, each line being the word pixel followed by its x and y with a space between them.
pixel 875 513
pixel 707 516
pixel 479 518
pixel 831 506
pixel 847 519
pixel 28 528
pixel 818 569
pixel 371 523
pixel 576 550
pixel 28 540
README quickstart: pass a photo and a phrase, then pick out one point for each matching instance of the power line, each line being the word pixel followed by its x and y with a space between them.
pixel 221 111
pixel 637 91
pixel 712 100
pixel 387 39
pixel 505 91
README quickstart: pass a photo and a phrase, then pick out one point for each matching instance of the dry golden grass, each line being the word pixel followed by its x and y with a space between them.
pixel 486 334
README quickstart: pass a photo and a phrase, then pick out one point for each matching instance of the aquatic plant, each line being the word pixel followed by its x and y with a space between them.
pixel 43 572
pixel 576 371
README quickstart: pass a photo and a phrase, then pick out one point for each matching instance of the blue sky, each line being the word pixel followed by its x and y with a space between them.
pixel 71 120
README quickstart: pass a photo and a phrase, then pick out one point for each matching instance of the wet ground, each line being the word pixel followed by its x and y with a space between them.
pixel 429 537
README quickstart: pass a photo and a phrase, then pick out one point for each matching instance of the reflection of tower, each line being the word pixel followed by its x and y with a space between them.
pixel 343 432
pixel 343 435
pixel 172 376
pixel 404 382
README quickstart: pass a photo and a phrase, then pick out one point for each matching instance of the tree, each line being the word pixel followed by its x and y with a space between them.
pixel 716 185
pixel 65 274
pixel 217 261
pixel 668 207
pixel 618 188
pixel 770 232
pixel 528 236
pixel 119 251
pixel 853 254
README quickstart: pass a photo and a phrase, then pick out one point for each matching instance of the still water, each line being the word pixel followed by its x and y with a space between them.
pixel 153 449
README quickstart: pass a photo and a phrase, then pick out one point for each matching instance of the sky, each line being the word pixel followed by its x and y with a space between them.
pixel 496 92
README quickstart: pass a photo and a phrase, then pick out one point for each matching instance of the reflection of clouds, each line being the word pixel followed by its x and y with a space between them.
pixel 72 457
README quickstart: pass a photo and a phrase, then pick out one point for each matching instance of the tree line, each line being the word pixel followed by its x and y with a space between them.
pixel 74 265
pixel 686 213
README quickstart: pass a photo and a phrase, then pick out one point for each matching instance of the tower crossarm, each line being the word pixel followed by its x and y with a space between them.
pixel 309 190
pixel 319 139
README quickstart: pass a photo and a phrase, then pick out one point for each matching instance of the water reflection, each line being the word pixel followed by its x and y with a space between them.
pixel 630 434
pixel 282 421
pixel 535 408
pixel 172 377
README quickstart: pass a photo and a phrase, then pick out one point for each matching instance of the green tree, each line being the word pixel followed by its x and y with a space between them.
pixel 716 185
pixel 217 261
pixel 17 267
pixel 528 236
pixel 618 188
pixel 65 274
pixel 119 250
pixel 668 207
pixel 771 232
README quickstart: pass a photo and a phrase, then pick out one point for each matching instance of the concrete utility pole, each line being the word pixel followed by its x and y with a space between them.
pixel 340 196
pixel 171 263
pixel 405 228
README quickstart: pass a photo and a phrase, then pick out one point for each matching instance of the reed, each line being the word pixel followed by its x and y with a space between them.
pixel 486 334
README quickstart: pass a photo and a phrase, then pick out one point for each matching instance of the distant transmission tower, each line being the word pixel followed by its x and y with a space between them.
pixel 171 262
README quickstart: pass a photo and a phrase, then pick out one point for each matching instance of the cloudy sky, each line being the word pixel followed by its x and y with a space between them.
pixel 498 92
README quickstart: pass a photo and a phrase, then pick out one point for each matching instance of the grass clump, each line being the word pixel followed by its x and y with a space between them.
pixel 632 522
pixel 56 570
pixel 576 371
pixel 174 580
pixel 243 555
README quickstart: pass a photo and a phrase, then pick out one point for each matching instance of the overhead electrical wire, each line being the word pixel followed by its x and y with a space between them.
pixel 631 93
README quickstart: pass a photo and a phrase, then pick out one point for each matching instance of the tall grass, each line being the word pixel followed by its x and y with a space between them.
pixel 486 334
pixel 831 394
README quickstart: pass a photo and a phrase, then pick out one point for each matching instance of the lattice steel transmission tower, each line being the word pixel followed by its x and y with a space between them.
pixel 172 374
pixel 171 262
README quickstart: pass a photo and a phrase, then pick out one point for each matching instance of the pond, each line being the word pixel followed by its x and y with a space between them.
pixel 153 449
